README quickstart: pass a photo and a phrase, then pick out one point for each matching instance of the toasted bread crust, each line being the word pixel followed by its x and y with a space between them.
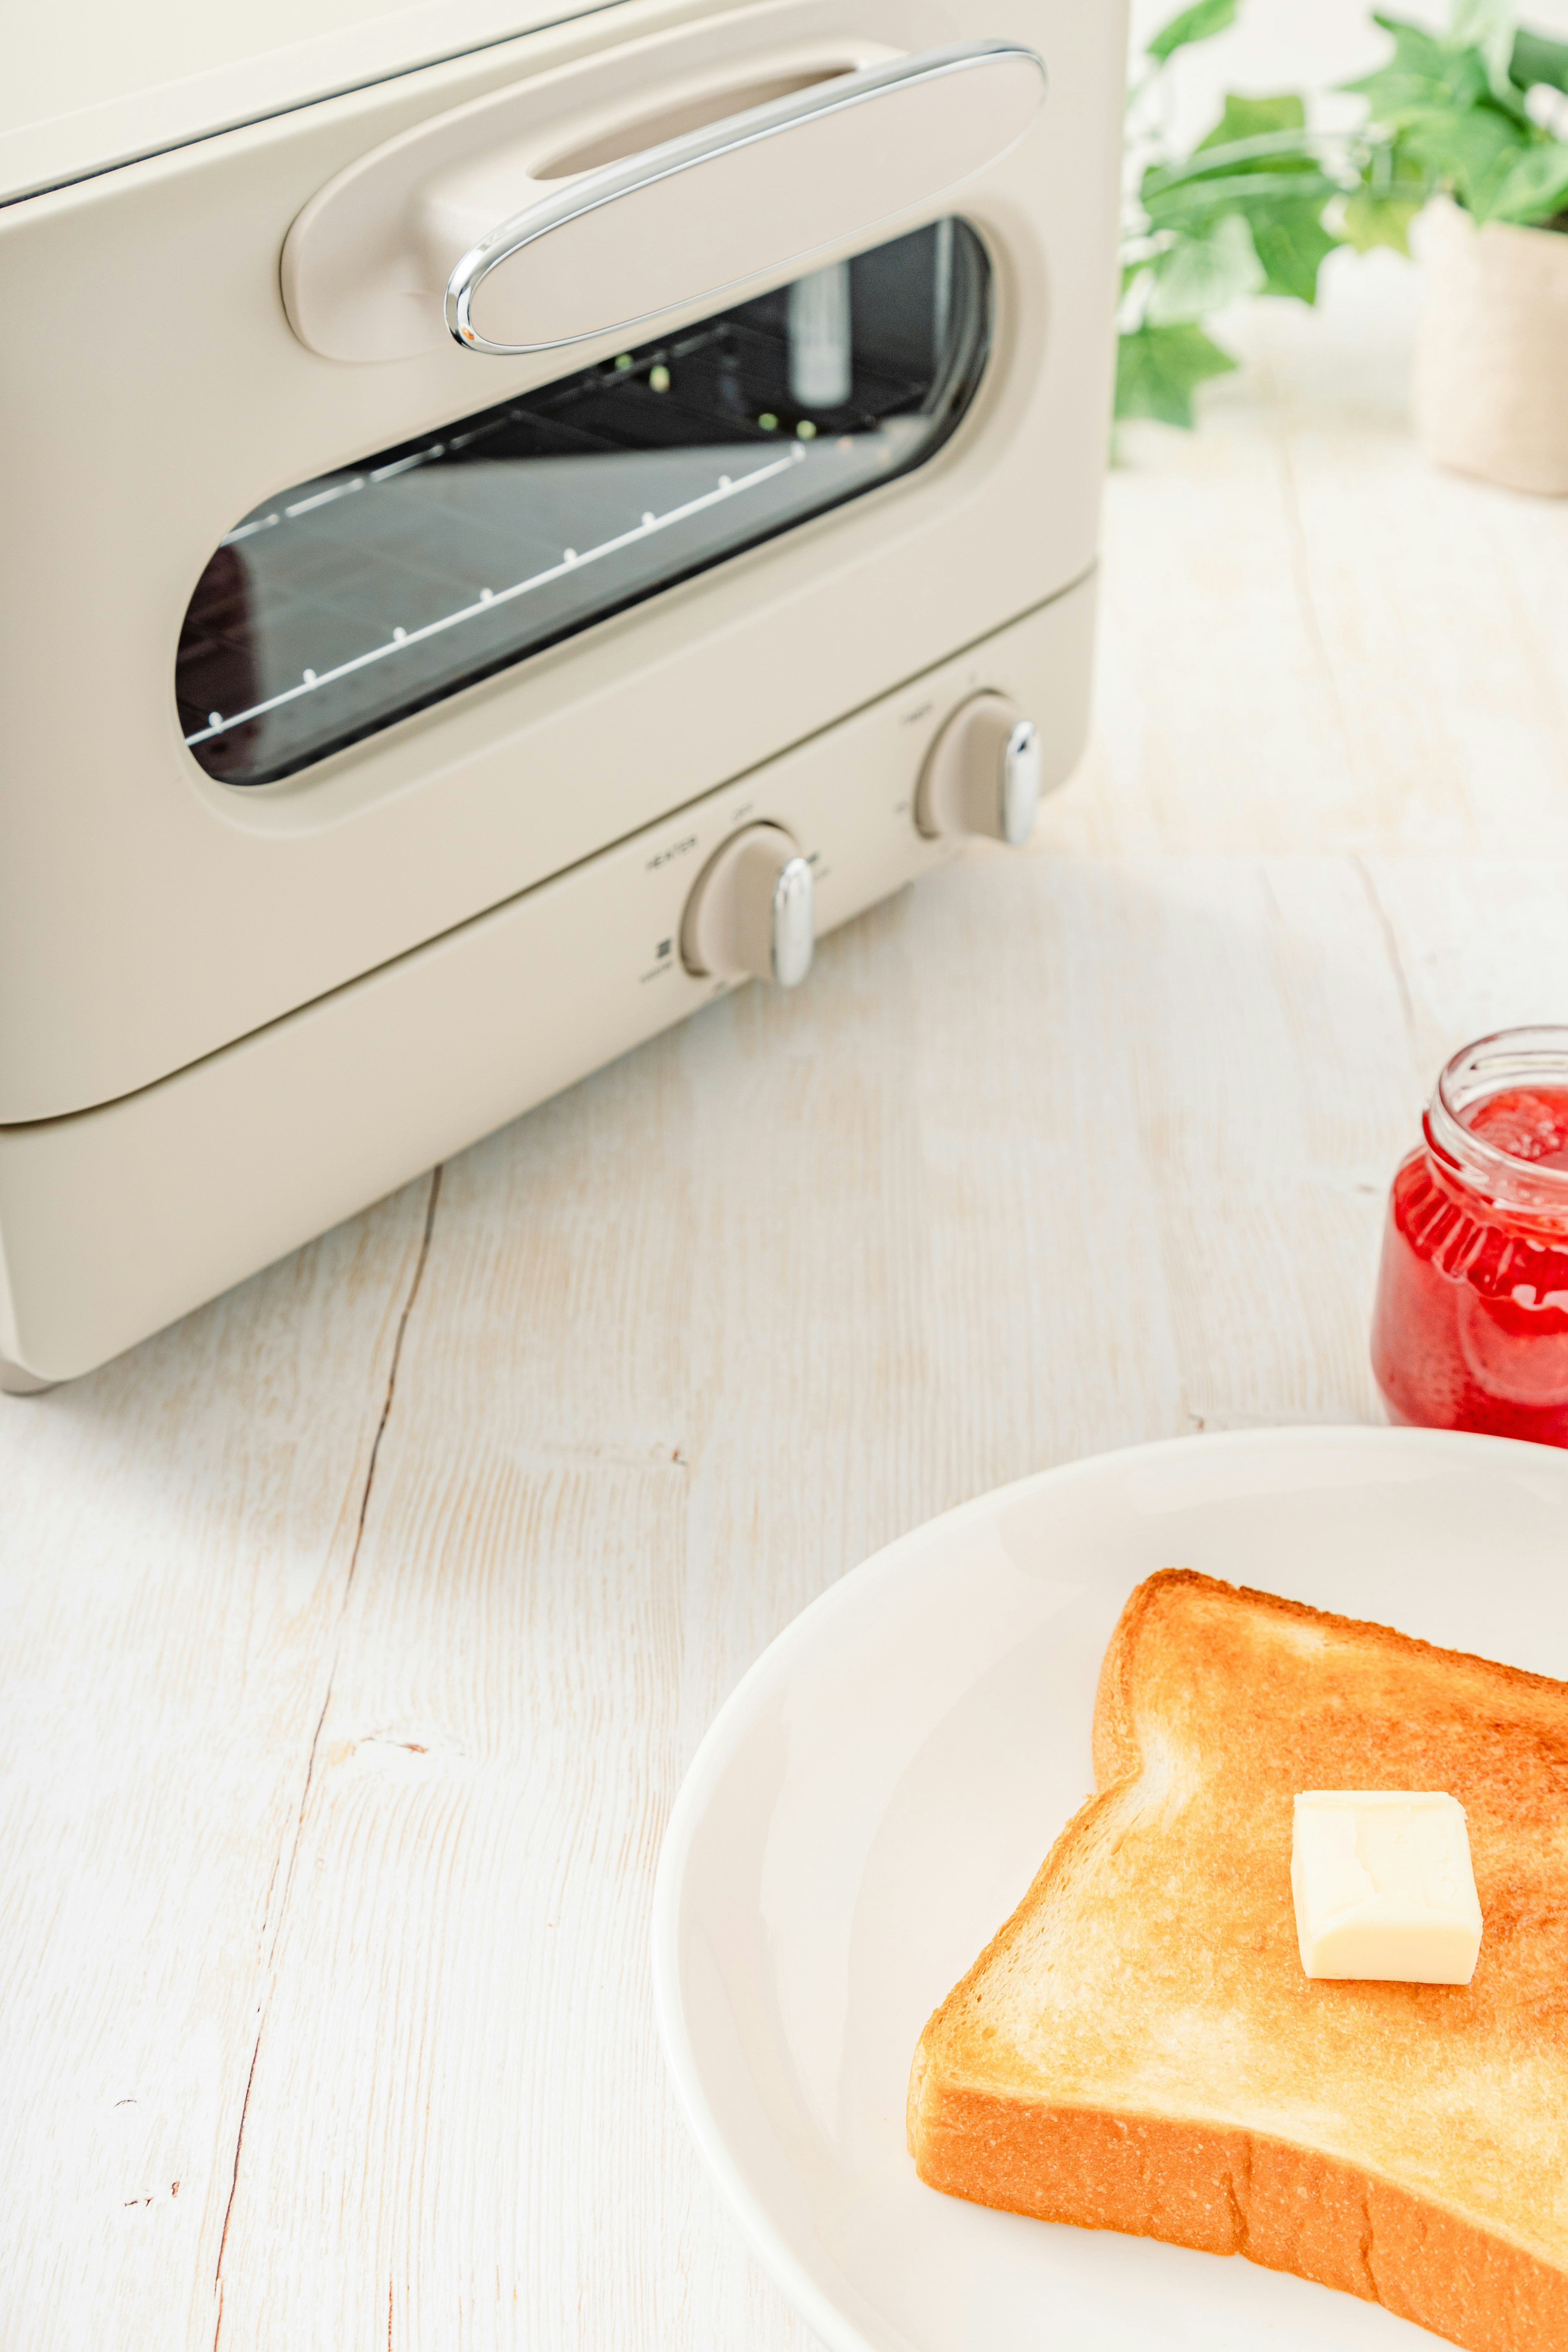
pixel 1235 2192
pixel 1115 1746
pixel 1109 2163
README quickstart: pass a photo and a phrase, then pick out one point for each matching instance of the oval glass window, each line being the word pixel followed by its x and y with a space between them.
pixel 348 601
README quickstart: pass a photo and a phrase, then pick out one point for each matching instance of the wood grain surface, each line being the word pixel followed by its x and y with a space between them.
pixel 357 1631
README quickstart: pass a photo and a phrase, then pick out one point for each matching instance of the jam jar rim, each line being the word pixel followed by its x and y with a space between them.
pixel 1534 1055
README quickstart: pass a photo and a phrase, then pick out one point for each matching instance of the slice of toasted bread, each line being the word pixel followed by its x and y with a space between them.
pixel 1139 2049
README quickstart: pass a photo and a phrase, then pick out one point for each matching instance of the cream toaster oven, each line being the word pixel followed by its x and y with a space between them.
pixel 516 519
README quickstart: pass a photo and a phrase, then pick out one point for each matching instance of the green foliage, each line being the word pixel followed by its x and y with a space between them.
pixel 1422 79
pixel 1536 189
pixel 1242 214
pixel 1474 153
pixel 1486 25
pixel 1367 220
pixel 1537 59
pixel 1263 199
pixel 1254 118
pixel 1292 244
pixel 1202 274
pixel 1448 111
pixel 1194 24
pixel 1158 369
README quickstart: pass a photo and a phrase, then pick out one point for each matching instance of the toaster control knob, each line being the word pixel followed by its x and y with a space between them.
pixel 749 915
pixel 983 774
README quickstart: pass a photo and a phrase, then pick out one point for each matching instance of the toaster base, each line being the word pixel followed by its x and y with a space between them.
pixel 116 1221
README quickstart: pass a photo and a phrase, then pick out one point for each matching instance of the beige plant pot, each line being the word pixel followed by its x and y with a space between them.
pixel 1491 359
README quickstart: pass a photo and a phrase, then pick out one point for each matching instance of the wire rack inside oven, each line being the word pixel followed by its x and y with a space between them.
pixel 364 594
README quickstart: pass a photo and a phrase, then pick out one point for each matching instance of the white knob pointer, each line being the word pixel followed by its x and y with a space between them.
pixel 983 774
pixel 749 915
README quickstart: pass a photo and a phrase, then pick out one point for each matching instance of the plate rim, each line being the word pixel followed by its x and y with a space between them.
pixel 829 2322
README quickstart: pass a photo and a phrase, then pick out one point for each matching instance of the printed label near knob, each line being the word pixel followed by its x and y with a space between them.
pixel 751 915
pixel 983 774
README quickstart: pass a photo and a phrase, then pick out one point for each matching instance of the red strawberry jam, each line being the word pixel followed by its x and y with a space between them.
pixel 1470 1328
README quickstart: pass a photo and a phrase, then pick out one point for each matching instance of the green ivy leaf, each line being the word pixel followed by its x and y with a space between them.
pixel 1158 369
pixel 1535 59
pixel 1194 23
pixel 1535 189
pixel 1199 275
pixel 1422 77
pixel 1368 220
pixel 1250 118
pixel 1487 25
pixel 1259 148
pixel 1475 152
pixel 1292 244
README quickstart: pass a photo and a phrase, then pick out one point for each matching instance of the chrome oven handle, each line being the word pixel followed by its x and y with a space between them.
pixel 861 112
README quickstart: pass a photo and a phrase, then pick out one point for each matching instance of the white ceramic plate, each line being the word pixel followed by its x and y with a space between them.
pixel 883 1785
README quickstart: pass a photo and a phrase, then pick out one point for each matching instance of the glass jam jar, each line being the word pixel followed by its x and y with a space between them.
pixel 1470 1328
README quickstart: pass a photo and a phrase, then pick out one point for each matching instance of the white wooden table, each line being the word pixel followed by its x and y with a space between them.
pixel 356 1633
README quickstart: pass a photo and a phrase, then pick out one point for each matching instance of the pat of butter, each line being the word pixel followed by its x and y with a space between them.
pixel 1383 1886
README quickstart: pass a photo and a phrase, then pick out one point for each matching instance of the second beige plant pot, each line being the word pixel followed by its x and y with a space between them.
pixel 1491 360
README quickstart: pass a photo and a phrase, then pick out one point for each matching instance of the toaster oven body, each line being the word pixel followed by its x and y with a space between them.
pixel 372 704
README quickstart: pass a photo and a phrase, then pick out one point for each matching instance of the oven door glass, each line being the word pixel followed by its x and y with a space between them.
pixel 345 603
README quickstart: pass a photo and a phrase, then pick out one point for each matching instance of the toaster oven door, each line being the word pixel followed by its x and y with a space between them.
pixel 347 601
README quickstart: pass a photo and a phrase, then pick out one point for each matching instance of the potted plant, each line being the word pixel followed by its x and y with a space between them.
pixel 1471 127
pixel 1476 118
